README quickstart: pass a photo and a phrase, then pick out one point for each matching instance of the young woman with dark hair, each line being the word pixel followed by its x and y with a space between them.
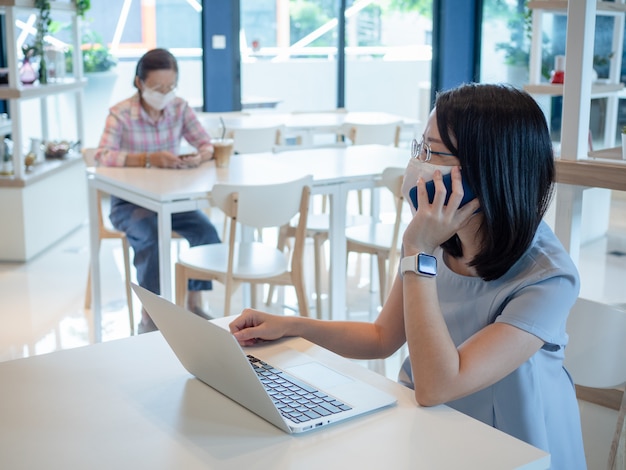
pixel 484 287
pixel 146 130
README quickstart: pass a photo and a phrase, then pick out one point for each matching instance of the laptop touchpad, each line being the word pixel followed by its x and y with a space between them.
pixel 319 375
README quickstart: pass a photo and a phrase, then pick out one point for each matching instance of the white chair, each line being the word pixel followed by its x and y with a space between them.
pixel 382 239
pixel 383 133
pixel 386 133
pixel 596 355
pixel 257 139
pixel 211 120
pixel 107 232
pixel 308 138
pixel 235 262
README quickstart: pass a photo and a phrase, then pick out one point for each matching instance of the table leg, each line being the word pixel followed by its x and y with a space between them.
pixel 94 253
pixel 337 238
pixel 164 218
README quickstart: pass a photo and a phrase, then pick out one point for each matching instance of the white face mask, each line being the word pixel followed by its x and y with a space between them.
pixel 416 169
pixel 157 100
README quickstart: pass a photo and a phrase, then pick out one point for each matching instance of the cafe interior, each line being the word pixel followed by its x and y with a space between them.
pixel 299 97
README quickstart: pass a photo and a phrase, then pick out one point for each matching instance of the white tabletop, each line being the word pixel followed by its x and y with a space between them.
pixel 129 404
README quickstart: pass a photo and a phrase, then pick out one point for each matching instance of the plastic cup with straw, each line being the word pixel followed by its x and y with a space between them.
pixel 223 147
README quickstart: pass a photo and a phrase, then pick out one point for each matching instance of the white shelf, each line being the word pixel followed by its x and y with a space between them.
pixel 55 5
pixel 560 6
pixel 40 91
pixel 38 197
pixel 598 90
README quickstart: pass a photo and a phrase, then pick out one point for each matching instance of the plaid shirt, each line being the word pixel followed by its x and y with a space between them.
pixel 129 129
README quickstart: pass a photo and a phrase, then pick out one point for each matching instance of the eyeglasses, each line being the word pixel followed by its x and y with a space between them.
pixel 423 152
pixel 164 90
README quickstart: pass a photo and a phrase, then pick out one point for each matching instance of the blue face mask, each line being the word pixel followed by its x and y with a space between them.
pixel 468 195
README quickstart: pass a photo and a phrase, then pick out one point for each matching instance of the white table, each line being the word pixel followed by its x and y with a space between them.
pixel 129 404
pixel 335 172
pixel 305 125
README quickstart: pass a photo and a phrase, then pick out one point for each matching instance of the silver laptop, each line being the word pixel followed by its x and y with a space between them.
pixel 290 389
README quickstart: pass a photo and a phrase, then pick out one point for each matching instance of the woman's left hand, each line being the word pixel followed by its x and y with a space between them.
pixel 434 223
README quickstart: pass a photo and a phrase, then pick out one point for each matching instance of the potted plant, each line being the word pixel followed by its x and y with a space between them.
pixel 517 49
pixel 42 25
pixel 96 54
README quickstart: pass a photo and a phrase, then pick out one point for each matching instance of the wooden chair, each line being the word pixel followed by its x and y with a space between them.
pixel 381 239
pixel 234 262
pixel 596 359
pixel 106 232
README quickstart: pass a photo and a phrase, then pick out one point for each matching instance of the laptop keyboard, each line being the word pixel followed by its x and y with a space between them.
pixel 295 399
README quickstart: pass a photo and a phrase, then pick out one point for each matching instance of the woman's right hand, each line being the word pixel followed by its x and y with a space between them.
pixel 253 326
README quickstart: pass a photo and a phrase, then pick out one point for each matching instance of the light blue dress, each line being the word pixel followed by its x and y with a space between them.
pixel 537 402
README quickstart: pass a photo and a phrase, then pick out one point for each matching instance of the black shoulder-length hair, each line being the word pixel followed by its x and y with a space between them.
pixel 155 59
pixel 500 136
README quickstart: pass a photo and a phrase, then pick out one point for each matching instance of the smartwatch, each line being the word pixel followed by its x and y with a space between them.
pixel 421 264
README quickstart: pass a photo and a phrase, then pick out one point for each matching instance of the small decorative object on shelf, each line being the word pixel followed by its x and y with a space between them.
pixel 6 157
pixel 624 143
pixel 558 74
pixel 27 72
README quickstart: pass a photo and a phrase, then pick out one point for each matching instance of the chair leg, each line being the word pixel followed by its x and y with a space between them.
pixel 228 292
pixel 303 302
pixel 253 296
pixel 180 273
pixel 88 289
pixel 280 244
pixel 318 254
pixel 382 275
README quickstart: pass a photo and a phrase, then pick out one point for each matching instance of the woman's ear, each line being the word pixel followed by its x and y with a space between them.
pixel 137 83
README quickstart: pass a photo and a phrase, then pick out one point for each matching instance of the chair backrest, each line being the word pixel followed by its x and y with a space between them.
pixel 387 133
pixel 211 121
pixel 596 353
pixel 335 110
pixel 258 139
pixel 89 156
pixel 392 179
pixel 259 206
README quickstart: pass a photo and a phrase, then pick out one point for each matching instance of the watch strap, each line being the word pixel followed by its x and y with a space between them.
pixel 421 264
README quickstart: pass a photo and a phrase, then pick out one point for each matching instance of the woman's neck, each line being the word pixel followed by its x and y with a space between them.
pixel 469 237
pixel 154 114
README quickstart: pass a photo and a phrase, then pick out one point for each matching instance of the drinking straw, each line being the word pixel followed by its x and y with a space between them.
pixel 223 128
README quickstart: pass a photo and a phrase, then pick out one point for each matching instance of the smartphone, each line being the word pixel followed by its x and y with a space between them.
pixel 468 195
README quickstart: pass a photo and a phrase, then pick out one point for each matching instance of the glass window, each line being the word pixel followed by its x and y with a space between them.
pixel 388 57
pixel 289 54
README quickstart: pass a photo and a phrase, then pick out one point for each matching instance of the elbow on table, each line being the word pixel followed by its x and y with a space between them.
pixel 425 397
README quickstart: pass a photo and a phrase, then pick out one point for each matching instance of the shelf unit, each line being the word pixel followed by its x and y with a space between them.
pixel 610 88
pixel 47 202
pixel 578 92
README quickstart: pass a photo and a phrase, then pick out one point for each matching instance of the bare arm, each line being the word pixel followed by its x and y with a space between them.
pixel 358 340
pixel 441 371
